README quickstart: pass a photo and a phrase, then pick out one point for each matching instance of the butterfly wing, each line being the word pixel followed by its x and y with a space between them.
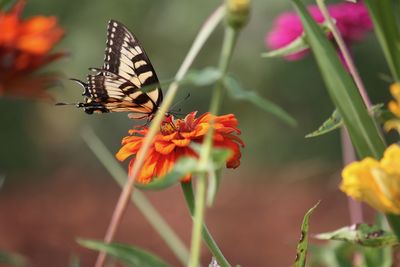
pixel 126 71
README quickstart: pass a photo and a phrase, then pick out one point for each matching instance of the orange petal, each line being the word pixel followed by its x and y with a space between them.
pixel 165 165
pixel 164 147
pixel 148 170
pixel 128 150
pixel 181 142
pixel 39 34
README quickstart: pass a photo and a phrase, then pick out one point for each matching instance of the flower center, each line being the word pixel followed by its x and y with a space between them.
pixel 167 127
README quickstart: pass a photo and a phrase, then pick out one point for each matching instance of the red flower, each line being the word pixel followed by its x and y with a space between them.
pixel 173 140
pixel 24 48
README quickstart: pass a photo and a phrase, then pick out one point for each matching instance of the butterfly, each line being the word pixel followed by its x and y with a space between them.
pixel 119 85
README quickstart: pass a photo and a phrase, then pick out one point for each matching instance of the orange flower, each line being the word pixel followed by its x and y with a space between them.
pixel 24 48
pixel 174 139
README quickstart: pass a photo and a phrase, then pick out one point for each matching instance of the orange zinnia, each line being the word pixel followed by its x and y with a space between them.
pixel 24 48
pixel 174 139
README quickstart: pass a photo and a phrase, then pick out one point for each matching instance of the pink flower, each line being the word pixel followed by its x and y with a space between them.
pixel 352 20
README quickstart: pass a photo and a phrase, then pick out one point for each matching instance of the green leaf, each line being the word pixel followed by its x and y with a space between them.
pixel 333 254
pixel 297 45
pixel 129 255
pixel 335 121
pixel 12 259
pixel 386 27
pixel 332 123
pixel 303 243
pixel 362 234
pixel 342 90
pixel 382 114
pixel 182 167
pixel 372 257
pixel 236 91
pixel 204 77
pixel 219 156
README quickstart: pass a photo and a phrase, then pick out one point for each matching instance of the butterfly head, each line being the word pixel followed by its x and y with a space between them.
pixel 89 105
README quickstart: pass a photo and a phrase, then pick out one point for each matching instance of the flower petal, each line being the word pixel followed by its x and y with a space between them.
pixel 181 142
pixel 164 147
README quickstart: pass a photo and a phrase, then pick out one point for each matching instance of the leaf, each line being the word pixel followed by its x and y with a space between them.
pixel 303 243
pixel 219 156
pixel 129 255
pixel 182 167
pixel 382 114
pixel 372 257
pixel 383 14
pixel 297 45
pixel 236 91
pixel 342 90
pixel 361 234
pixel 335 121
pixel 202 77
pixel 333 254
pixel 12 259
pixel 332 123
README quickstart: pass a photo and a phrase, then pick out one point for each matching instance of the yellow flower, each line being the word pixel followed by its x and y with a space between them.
pixel 375 182
pixel 394 107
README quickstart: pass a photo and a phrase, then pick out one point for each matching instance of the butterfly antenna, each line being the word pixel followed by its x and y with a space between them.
pixel 180 101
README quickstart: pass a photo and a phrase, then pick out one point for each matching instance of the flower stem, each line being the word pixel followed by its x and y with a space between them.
pixel 123 200
pixel 139 199
pixel 229 42
pixel 394 220
pixel 355 207
pixel 345 52
pixel 208 239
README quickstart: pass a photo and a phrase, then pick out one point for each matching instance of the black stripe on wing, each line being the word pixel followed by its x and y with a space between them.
pixel 125 56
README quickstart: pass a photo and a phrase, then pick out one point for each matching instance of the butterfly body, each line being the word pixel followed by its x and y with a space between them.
pixel 117 86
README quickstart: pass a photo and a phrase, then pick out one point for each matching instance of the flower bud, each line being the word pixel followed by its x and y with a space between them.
pixel 237 13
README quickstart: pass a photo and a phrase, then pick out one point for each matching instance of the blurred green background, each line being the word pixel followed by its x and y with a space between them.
pixel 39 140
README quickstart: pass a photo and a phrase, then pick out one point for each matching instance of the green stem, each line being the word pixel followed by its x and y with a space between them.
pixel 127 189
pixel 394 221
pixel 139 199
pixel 198 218
pixel 229 42
pixel 345 52
pixel 208 239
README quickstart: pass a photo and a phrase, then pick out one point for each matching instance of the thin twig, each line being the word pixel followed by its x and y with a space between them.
pixel 123 200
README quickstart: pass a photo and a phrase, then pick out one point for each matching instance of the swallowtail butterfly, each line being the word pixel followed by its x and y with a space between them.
pixel 117 86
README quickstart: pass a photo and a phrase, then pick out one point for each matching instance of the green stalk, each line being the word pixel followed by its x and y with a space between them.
pixel 206 30
pixel 139 199
pixel 208 239
pixel 226 55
